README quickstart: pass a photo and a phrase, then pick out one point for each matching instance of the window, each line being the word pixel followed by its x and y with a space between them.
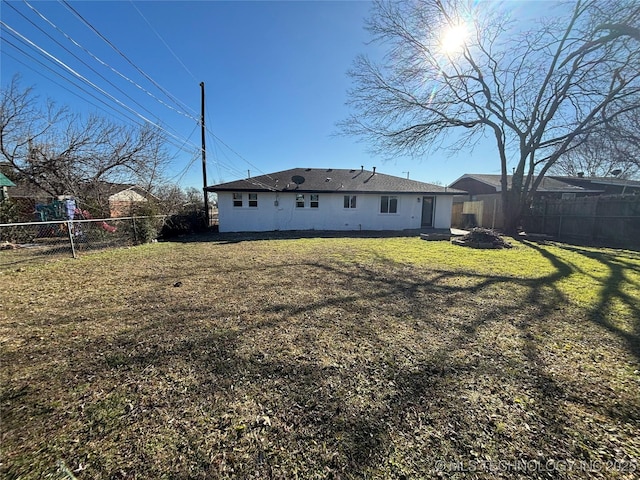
pixel 237 199
pixel 299 200
pixel 314 200
pixel 253 199
pixel 388 204
pixel 349 201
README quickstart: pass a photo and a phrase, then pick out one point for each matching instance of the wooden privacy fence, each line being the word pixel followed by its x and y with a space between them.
pixel 600 220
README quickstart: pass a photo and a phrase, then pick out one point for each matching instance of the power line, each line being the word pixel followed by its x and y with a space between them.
pixel 105 64
pixel 77 86
pixel 79 59
pixel 142 72
pixel 163 41
pixel 68 69
pixel 171 139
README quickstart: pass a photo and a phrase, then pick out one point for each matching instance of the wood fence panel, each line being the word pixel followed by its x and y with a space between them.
pixel 601 220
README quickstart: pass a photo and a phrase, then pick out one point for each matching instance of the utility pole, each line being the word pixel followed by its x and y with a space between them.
pixel 204 159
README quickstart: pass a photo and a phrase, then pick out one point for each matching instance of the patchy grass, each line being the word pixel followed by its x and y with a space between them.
pixel 322 358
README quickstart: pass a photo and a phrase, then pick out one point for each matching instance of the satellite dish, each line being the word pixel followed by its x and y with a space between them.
pixel 297 179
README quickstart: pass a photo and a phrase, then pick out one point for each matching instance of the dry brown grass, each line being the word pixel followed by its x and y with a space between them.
pixel 322 358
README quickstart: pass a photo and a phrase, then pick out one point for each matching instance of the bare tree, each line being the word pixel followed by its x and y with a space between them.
pixel 537 87
pixel 610 151
pixel 62 153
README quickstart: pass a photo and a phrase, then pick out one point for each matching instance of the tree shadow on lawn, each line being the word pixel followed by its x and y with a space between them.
pixel 612 291
pixel 386 371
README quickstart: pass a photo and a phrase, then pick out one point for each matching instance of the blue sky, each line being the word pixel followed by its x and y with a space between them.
pixel 274 73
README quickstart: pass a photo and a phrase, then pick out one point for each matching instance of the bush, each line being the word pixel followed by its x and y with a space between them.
pixel 184 224
pixel 146 225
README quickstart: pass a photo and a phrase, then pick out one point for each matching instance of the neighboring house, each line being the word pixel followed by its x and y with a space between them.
pixel 483 204
pixel 4 184
pixel 102 199
pixel 122 198
pixel 550 187
pixel 331 199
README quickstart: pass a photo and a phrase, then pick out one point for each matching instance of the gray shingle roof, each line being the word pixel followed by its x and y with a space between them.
pixel 597 181
pixel 330 180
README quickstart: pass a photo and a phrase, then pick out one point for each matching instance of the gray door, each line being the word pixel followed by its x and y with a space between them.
pixel 427 211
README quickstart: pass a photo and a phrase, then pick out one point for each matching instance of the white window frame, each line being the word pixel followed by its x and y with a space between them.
pixel 351 201
pixel 237 198
pixel 389 202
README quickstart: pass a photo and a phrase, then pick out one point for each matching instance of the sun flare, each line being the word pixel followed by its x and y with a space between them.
pixel 453 38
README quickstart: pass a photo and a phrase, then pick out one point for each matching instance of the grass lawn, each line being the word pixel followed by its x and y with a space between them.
pixel 380 358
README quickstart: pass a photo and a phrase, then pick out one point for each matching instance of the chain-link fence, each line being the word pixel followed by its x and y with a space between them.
pixel 24 243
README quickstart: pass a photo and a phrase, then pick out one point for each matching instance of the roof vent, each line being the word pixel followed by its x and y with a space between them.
pixel 374 170
pixel 328 179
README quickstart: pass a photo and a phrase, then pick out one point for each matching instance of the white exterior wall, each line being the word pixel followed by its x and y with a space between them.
pixel 277 211
pixel 442 211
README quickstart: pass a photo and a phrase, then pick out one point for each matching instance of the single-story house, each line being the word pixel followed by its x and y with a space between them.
pixel 123 198
pixel 102 199
pixel 482 206
pixel 550 187
pixel 331 199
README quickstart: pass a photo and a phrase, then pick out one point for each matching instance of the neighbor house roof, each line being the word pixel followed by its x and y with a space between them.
pixel 548 184
pixel 598 181
pixel 332 180
pixel 111 189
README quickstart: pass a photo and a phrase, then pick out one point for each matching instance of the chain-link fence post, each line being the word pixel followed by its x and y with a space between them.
pixel 135 230
pixel 70 232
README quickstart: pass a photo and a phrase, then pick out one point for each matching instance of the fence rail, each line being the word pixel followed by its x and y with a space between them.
pixel 31 242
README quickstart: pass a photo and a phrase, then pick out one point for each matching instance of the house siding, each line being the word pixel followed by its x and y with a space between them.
pixel 278 211
pixel 121 203
pixel 473 186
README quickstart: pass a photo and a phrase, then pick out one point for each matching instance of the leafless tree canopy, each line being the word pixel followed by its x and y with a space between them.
pixel 62 153
pixel 612 150
pixel 538 86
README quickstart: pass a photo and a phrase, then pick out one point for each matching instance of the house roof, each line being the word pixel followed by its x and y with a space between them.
pixel 5 182
pixel 548 184
pixel 596 181
pixel 332 180
pixel 110 189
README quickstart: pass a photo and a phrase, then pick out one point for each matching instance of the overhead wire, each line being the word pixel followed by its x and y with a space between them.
pixel 58 63
pixel 79 59
pixel 105 64
pixel 89 25
pixel 67 69
pixel 163 41
pixel 119 52
pixel 77 86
